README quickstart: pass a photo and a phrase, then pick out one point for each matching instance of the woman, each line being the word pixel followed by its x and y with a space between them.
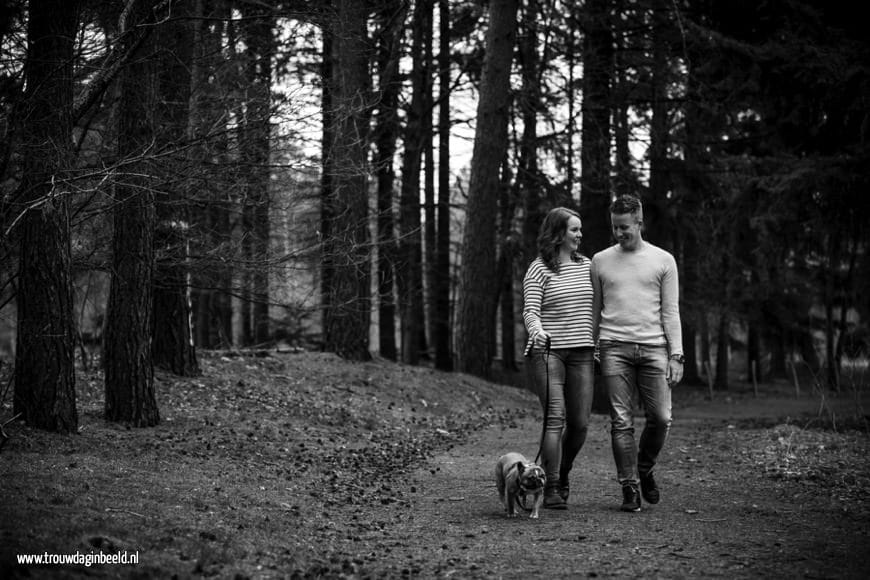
pixel 557 292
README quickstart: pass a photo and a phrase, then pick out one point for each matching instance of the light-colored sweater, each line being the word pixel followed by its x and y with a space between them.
pixel 637 296
pixel 560 303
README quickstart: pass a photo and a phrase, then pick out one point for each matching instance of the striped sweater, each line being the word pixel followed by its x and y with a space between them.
pixel 560 303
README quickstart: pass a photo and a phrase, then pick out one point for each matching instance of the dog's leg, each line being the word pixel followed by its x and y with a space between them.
pixel 539 499
pixel 511 505
pixel 500 485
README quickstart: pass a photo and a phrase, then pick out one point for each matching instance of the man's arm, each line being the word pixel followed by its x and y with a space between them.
pixel 597 300
pixel 670 296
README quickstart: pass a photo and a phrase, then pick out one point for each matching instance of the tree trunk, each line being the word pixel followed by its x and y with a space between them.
pixel 346 202
pixel 327 186
pixel 531 191
pixel 595 188
pixel 430 230
pixel 722 351
pixel 258 38
pixel 507 250
pixel 172 347
pixel 441 287
pixel 477 301
pixel 211 221
pixel 410 270
pixel 595 153
pixel 129 372
pixel 624 178
pixel 44 362
pixel 830 272
pixel 705 342
pixel 386 132
pixel 753 352
pixel 571 97
pixel 656 229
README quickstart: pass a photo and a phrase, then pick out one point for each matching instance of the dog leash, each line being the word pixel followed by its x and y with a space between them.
pixel 546 401
pixel 521 501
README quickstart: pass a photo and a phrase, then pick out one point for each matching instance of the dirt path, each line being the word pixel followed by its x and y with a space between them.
pixel 307 466
pixel 720 515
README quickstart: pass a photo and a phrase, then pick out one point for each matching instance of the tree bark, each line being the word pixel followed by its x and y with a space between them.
pixel 595 153
pixel 722 351
pixel 656 230
pixel 477 299
pixel 507 251
pixel 430 231
pixel 44 363
pixel 347 247
pixel 441 287
pixel 172 347
pixel 257 35
pixel 386 133
pixel 211 216
pixel 410 268
pixel 129 371
pixel 595 187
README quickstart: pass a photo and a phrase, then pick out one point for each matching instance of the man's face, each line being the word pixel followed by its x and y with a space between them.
pixel 626 230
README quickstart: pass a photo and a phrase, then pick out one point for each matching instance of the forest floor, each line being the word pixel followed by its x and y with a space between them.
pixel 306 466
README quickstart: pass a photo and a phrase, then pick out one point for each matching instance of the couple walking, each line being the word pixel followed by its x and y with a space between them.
pixel 625 302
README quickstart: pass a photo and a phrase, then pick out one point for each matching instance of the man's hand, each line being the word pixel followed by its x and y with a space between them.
pixel 675 372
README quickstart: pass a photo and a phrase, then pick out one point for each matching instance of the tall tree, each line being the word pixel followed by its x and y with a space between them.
pixel 129 370
pixel 430 229
pixel 410 267
pixel 441 287
pixel 347 247
pixel 44 372
pixel 209 150
pixel 529 187
pixel 477 304
pixel 656 228
pixel 595 153
pixel 391 24
pixel 258 38
pixel 172 347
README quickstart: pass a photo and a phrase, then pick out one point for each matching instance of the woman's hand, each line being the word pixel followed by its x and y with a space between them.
pixel 542 340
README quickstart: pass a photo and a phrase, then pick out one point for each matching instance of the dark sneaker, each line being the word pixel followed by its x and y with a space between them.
pixel 554 501
pixel 563 487
pixel 630 498
pixel 649 488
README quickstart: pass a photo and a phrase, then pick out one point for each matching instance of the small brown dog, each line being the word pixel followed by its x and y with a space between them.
pixel 516 478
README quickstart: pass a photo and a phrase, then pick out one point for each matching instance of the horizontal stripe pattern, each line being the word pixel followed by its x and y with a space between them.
pixel 560 303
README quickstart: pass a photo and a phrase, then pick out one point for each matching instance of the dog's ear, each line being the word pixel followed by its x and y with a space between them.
pixel 520 467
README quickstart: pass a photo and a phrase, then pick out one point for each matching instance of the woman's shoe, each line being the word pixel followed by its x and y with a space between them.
pixel 553 500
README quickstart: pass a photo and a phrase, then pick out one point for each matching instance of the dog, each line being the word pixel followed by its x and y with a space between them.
pixel 517 479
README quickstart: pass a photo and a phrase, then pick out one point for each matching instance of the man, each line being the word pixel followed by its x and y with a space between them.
pixel 636 322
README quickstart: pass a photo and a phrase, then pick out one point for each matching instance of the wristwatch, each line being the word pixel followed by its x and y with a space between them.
pixel 679 358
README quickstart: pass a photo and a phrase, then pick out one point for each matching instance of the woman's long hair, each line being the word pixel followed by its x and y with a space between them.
pixel 552 233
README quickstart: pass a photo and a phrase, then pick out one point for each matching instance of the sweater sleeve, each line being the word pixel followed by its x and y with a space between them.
pixel 596 301
pixel 670 289
pixel 533 296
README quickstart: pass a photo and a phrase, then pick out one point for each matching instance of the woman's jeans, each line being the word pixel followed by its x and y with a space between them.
pixel 568 404
pixel 626 368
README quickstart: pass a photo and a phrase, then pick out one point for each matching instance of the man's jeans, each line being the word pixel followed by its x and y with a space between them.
pixel 571 379
pixel 626 367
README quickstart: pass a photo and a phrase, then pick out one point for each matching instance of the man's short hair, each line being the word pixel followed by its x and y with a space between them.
pixel 624 204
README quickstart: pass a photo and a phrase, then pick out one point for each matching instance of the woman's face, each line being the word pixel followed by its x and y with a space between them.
pixel 573 235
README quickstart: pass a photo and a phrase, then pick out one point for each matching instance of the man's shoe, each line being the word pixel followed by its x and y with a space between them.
pixel 649 488
pixel 563 487
pixel 630 498
pixel 554 501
